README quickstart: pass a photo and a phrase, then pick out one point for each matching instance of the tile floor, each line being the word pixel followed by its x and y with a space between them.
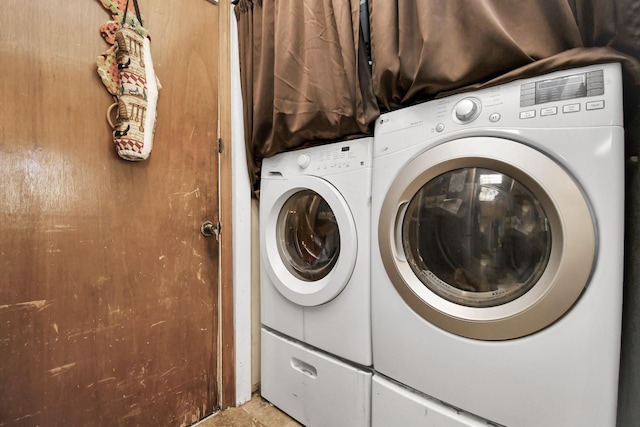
pixel 255 413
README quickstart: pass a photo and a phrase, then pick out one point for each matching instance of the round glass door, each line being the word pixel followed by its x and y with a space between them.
pixel 476 237
pixel 308 239
pixel 486 238
pixel 308 236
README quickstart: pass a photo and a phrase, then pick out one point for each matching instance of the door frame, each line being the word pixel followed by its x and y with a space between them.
pixel 226 334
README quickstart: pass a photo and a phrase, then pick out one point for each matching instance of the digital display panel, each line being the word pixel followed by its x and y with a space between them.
pixel 571 86
pixel 568 87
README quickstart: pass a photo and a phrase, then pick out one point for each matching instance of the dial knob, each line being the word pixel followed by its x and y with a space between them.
pixel 467 109
pixel 304 160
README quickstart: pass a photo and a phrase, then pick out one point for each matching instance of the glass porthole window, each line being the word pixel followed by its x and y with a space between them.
pixel 308 237
pixel 476 237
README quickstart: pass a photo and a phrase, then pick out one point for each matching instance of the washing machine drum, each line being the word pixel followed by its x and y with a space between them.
pixel 308 239
pixel 487 238
pixel 476 237
pixel 308 236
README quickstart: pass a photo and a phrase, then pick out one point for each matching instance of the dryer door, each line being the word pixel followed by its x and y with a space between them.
pixel 487 238
pixel 309 242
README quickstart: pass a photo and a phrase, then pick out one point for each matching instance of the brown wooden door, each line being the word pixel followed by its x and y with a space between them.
pixel 108 291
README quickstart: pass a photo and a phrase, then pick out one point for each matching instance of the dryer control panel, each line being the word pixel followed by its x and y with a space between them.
pixel 568 93
pixel 589 96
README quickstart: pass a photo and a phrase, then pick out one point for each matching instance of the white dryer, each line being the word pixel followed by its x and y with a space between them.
pixel 315 221
pixel 497 248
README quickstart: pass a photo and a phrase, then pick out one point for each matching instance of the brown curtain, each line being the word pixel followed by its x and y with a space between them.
pixel 305 78
pixel 429 48
pixel 610 23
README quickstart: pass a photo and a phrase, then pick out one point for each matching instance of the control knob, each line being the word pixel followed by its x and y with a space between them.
pixel 304 160
pixel 466 110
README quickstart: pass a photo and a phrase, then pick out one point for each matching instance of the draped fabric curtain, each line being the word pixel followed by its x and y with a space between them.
pixel 430 48
pixel 611 23
pixel 306 80
pixel 304 74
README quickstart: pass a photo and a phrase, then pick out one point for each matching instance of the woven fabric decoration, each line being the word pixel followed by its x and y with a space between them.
pixel 127 71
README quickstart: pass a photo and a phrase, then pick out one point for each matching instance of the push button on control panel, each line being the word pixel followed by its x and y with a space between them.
pixel 529 114
pixel 549 111
pixel 571 108
pixel 595 105
pixel 568 108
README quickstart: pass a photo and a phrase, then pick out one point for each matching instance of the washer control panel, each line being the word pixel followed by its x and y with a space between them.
pixel 327 159
pixel 339 158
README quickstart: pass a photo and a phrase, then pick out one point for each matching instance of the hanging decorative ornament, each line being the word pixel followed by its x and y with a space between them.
pixel 126 69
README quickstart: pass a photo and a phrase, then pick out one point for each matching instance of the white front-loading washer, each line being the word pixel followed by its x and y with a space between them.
pixel 315 279
pixel 497 247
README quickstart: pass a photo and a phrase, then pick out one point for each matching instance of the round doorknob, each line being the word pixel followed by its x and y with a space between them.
pixel 209 229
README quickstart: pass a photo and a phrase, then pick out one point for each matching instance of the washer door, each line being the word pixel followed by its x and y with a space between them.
pixel 309 241
pixel 487 238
